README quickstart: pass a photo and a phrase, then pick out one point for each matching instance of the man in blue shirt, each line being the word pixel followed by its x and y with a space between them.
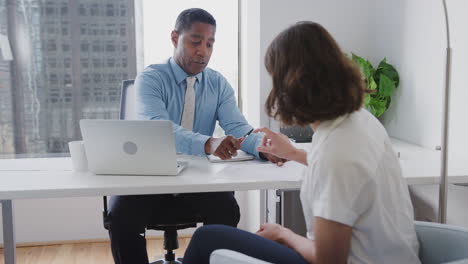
pixel 193 97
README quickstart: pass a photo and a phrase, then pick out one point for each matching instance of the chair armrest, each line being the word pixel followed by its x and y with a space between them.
pixel 461 261
pixel 225 256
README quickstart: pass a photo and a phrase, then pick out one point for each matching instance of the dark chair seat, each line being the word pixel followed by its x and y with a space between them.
pixel 168 221
pixel 171 242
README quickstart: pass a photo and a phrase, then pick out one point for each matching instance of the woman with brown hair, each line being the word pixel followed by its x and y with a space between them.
pixel 355 201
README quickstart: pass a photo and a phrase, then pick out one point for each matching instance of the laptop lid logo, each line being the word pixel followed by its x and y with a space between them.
pixel 130 148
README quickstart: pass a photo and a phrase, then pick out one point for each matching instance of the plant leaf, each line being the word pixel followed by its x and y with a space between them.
pixel 386 86
pixel 389 71
pixel 372 85
pixel 367 99
pixel 380 106
pixel 365 66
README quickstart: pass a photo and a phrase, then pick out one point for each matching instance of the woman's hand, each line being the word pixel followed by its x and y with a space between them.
pixel 279 145
pixel 273 232
pixel 275 143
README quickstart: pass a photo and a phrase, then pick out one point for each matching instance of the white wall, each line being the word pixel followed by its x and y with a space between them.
pixel 411 34
pixel 458 143
pixel 349 22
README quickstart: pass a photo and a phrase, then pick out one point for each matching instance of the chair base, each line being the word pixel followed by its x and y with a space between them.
pixel 162 261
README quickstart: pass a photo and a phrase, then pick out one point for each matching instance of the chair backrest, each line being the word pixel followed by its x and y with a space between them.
pixel 128 101
pixel 297 133
pixel 441 243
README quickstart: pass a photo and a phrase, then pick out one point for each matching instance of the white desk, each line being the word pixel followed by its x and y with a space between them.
pixel 53 178
pixel 422 165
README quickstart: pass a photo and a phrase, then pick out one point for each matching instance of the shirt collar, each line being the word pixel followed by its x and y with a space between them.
pixel 179 74
pixel 321 134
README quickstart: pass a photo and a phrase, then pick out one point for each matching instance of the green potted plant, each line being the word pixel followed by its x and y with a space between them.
pixel 382 81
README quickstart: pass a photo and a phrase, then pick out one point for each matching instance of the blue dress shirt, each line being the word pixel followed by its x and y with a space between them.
pixel 160 95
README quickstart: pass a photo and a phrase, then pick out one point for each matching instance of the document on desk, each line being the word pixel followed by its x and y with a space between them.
pixel 241 156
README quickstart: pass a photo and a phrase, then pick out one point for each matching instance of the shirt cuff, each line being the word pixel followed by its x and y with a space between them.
pixel 251 143
pixel 198 144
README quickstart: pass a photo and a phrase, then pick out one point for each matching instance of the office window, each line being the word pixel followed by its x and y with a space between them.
pixel 110 62
pixel 53 79
pixel 110 10
pixel 84 47
pixel 64 9
pixel 123 11
pixel 93 30
pixel 124 47
pixel 97 46
pixel 123 31
pixel 84 63
pixel 52 62
pixel 94 10
pixel 97 63
pixel 65 47
pixel 85 79
pixel 110 46
pixel 51 30
pixel 158 22
pixel 83 10
pixel 50 10
pixel 84 29
pixel 42 104
pixel 51 45
pixel 67 63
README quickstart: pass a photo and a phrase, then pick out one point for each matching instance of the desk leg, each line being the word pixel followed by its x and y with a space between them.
pixel 9 245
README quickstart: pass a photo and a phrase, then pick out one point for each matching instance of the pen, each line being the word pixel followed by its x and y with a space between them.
pixel 248 133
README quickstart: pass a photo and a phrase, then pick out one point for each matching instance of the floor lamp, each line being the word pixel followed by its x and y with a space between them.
pixel 443 187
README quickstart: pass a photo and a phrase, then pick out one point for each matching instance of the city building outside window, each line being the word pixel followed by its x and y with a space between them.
pixel 46 88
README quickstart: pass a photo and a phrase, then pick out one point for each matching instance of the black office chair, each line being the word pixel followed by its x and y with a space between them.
pixel 171 242
pixel 127 112
pixel 297 133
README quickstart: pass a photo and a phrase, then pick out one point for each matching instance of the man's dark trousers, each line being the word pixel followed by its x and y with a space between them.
pixel 129 215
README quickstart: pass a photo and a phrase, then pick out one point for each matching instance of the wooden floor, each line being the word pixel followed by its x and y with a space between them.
pixel 79 253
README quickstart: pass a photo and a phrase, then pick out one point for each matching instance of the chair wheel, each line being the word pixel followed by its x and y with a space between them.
pixel 162 261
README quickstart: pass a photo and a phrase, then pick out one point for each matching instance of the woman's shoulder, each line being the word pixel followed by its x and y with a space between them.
pixel 358 141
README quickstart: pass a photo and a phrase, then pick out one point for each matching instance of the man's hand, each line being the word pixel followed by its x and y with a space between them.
pixel 224 148
pixel 273 159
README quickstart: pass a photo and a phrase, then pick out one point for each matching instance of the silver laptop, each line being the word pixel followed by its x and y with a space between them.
pixel 130 147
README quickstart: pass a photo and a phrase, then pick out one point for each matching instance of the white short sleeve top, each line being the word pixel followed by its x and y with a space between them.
pixel 353 177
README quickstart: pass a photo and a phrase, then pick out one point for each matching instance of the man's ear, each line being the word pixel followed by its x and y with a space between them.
pixel 174 38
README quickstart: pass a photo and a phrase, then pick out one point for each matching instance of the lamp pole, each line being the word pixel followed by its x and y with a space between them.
pixel 443 186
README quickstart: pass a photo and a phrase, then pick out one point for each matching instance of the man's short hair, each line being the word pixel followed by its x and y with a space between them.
pixel 189 16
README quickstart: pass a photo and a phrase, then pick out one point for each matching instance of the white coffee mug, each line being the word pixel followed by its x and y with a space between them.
pixel 78 155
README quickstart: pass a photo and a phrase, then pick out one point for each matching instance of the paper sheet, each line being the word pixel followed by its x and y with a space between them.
pixel 241 156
